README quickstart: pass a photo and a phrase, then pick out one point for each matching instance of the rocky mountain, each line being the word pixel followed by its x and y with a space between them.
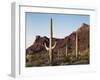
pixel 37 49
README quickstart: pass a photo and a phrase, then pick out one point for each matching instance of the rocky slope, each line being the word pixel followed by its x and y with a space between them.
pixel 39 54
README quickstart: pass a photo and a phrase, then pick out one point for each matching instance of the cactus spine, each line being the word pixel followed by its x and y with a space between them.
pixel 50 48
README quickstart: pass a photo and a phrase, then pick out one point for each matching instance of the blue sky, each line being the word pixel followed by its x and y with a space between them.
pixel 63 25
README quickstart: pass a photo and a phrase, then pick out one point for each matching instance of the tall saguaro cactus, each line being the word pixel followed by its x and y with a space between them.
pixel 76 44
pixel 50 48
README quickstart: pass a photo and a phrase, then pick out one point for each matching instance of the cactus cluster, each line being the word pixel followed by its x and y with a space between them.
pixel 51 46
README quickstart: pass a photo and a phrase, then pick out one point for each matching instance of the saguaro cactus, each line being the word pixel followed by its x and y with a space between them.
pixel 76 44
pixel 66 50
pixel 50 48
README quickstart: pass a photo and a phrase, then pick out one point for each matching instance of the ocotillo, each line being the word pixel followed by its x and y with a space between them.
pixel 50 48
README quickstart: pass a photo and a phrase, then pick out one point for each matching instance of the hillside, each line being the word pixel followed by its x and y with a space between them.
pixel 37 55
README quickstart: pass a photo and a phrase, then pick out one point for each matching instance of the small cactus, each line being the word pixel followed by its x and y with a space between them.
pixel 50 48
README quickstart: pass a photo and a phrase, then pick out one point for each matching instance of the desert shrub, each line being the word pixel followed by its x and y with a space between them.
pixel 85 54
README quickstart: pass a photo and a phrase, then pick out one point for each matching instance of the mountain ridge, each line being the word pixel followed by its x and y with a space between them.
pixel 38 44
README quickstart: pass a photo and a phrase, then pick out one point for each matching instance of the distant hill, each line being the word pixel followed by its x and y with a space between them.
pixel 39 54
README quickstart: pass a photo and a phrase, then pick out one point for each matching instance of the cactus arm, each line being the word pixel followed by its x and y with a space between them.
pixel 54 45
pixel 46 47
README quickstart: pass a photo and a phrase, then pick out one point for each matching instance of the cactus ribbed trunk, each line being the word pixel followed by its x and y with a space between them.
pixel 50 48
pixel 50 45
